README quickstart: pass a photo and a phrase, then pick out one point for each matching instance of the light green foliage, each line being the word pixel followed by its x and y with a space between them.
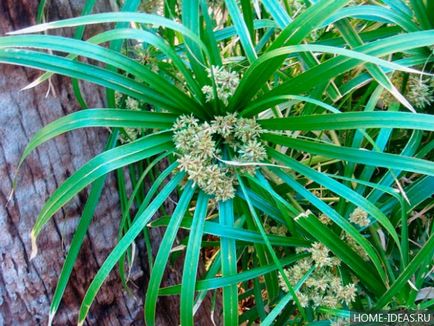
pixel 299 141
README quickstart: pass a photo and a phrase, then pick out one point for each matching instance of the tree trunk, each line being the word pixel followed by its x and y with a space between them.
pixel 26 287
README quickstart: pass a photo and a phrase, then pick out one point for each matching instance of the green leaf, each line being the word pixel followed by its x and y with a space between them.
pixel 115 17
pixel 350 230
pixel 98 166
pixel 258 73
pixel 219 282
pixel 211 36
pixel 353 39
pixel 293 32
pixel 285 300
pixel 421 13
pixel 242 30
pixel 424 253
pixel 417 192
pixel 229 264
pixel 277 12
pixel 143 36
pixel 258 107
pixel 164 252
pixel 40 12
pixel 157 183
pixel 191 20
pixel 363 156
pixel 211 272
pixel 78 34
pixel 388 178
pixel 339 65
pixel 191 262
pixel 79 234
pixel 340 189
pixel 100 76
pixel 323 234
pixel 352 120
pixel 270 248
pixel 139 223
pixel 374 13
pixel 99 118
pixel 235 233
pixel 158 83
pixel 307 22
pixel 229 32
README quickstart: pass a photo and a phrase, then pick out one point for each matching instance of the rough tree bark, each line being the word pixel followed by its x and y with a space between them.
pixel 26 287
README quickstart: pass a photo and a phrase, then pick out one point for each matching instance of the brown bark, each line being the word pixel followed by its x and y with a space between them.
pixel 26 287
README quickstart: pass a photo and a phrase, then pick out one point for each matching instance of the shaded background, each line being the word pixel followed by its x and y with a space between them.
pixel 26 287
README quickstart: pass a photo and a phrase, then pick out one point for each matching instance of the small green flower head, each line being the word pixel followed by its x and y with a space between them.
pixel 252 151
pixel 347 293
pixel 247 129
pixel 225 125
pixel 226 83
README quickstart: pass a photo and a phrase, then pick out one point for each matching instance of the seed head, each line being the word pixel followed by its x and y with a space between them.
pixel 247 129
pixel 359 217
pixel 303 299
pixel 198 145
pixel 253 151
pixel 420 92
pixel 320 254
pixel 224 125
pixel 226 83
pixel 347 293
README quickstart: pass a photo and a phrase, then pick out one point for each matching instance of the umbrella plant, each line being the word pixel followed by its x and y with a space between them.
pixel 294 137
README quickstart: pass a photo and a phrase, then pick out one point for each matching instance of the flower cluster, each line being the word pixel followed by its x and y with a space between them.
pixel 226 83
pixel 359 217
pixel 277 230
pixel 200 145
pixel 324 286
pixel 419 91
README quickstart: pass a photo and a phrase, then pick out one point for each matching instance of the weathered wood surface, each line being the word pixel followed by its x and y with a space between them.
pixel 26 287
